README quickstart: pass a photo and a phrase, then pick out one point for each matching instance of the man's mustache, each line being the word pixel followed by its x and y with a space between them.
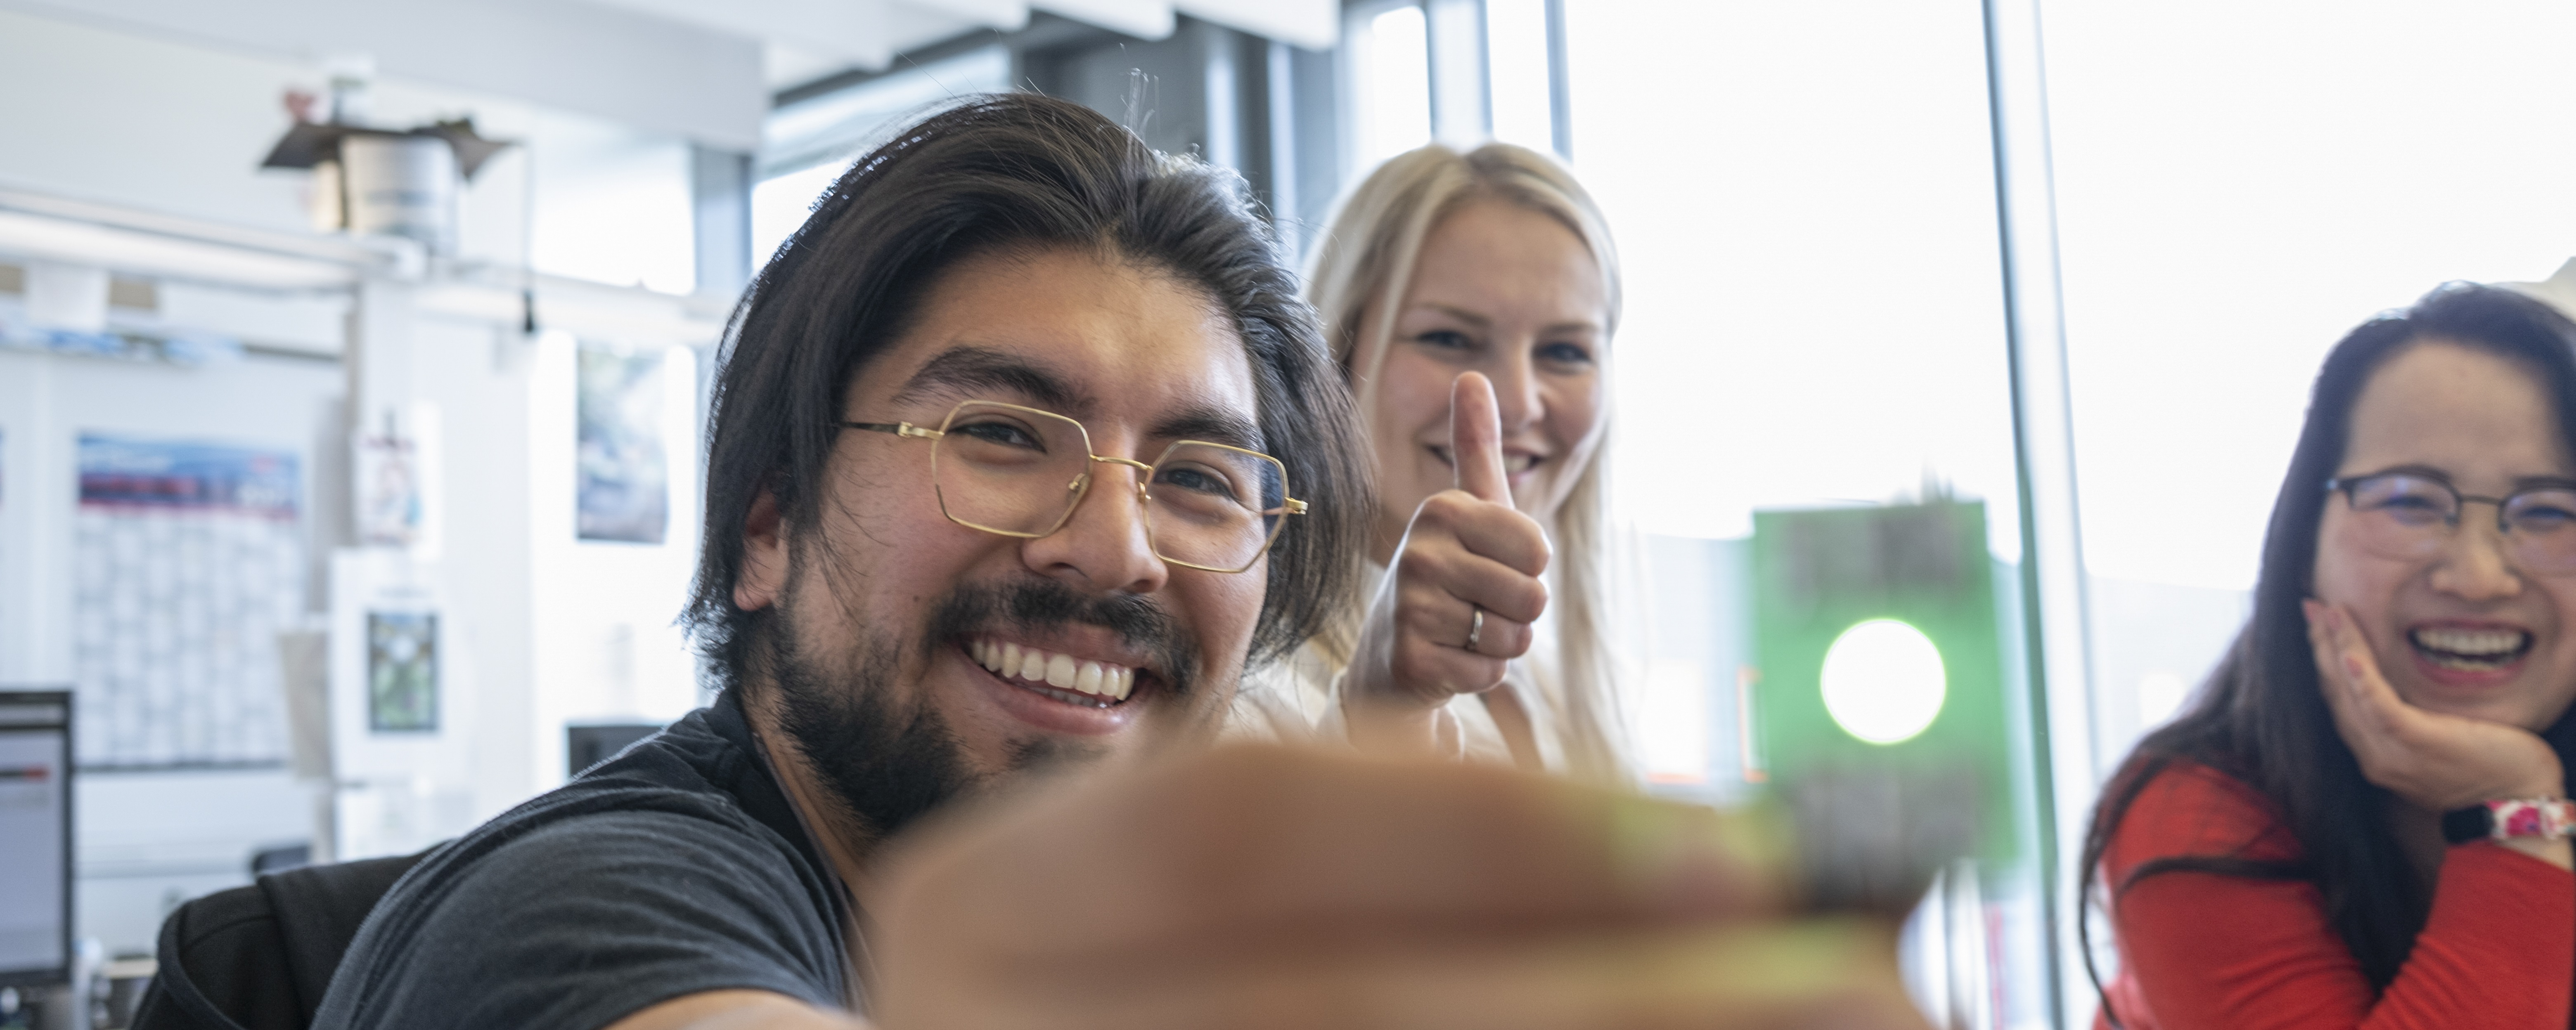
pixel 1036 604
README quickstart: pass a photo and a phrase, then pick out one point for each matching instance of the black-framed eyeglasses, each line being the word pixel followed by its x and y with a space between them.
pixel 2411 515
pixel 1019 471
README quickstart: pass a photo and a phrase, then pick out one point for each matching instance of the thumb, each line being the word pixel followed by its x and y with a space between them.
pixel 1476 439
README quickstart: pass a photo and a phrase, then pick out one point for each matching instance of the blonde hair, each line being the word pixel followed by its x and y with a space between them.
pixel 1370 252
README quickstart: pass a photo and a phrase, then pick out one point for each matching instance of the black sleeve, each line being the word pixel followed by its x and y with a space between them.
pixel 583 922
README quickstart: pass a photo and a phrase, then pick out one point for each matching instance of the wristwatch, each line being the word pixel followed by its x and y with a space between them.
pixel 2546 818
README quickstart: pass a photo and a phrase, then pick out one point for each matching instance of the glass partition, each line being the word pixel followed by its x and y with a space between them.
pixel 2237 186
pixel 1813 399
pixel 2230 203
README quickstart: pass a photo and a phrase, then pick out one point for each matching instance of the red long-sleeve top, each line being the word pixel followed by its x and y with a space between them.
pixel 2210 950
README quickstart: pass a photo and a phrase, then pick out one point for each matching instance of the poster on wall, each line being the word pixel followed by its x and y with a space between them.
pixel 188 559
pixel 388 484
pixel 402 672
pixel 624 477
pixel 394 476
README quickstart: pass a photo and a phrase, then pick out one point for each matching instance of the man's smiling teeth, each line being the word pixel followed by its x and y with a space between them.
pixel 1061 671
pixel 2470 648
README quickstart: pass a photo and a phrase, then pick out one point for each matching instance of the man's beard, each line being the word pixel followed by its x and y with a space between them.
pixel 891 763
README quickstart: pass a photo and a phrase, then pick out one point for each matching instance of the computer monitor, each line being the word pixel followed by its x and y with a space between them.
pixel 35 837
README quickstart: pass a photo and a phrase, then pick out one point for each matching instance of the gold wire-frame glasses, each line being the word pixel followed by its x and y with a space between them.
pixel 1018 471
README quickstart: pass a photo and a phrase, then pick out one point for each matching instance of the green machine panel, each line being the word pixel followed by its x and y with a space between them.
pixel 1879 658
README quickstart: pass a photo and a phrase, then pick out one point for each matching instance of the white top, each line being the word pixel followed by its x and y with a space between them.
pixel 1300 699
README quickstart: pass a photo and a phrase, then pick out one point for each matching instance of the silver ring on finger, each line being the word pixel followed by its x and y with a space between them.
pixel 1475 627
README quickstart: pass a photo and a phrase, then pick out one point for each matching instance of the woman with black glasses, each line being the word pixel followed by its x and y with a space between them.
pixel 2361 820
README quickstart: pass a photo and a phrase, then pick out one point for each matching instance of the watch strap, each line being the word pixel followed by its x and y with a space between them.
pixel 2508 818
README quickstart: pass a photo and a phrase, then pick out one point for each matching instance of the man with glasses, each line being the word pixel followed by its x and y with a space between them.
pixel 1024 451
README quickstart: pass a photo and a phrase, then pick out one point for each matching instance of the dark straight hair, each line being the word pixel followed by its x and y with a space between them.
pixel 994 173
pixel 2260 717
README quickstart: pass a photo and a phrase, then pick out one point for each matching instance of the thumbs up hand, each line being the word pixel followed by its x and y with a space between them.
pixel 1476 441
pixel 1467 551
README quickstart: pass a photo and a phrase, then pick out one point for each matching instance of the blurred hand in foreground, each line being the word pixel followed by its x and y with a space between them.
pixel 1252 888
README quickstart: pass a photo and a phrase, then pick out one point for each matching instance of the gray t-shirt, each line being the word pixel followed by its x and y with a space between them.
pixel 675 868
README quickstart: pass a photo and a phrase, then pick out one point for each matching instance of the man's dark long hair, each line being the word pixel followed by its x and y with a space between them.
pixel 991 173
pixel 2260 716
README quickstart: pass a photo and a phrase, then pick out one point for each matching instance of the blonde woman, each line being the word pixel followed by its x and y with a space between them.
pixel 1471 299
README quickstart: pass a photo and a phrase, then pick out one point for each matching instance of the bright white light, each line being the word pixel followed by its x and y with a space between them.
pixel 1803 198
pixel 613 205
pixel 1516 64
pixel 2160 695
pixel 1393 99
pixel 2220 230
pixel 819 138
pixel 1883 681
pixel 1671 723
pixel 780 205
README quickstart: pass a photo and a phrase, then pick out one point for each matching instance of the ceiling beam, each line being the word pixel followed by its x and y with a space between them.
pixel 648 72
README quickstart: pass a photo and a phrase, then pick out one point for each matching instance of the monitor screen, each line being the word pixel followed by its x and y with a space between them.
pixel 35 837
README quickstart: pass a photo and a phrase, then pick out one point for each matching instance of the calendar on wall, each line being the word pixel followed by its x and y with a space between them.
pixel 189 560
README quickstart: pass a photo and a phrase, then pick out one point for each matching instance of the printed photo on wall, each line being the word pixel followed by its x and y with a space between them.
pixel 402 672
pixel 389 501
pixel 624 479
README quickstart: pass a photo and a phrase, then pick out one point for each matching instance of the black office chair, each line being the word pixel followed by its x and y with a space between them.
pixel 259 957
pixel 280 858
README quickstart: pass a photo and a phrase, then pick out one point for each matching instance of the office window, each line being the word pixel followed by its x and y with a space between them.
pixel 1804 201
pixel 805 146
pixel 1387 65
pixel 2238 186
pixel 780 203
pixel 1800 196
pixel 613 205
pixel 1516 62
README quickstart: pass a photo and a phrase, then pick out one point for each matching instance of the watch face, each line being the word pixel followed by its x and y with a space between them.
pixel 2462 825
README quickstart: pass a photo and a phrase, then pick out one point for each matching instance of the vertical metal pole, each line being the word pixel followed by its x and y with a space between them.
pixel 1462 113
pixel 1560 93
pixel 720 191
pixel 1484 46
pixel 1281 69
pixel 2055 620
pixel 1221 96
pixel 378 357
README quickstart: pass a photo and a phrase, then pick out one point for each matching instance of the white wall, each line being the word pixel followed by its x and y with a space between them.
pixel 546 629
pixel 47 400
pixel 92 114
pixel 478 375
pixel 2238 185
pixel 558 629
pixel 608 64
pixel 143 838
pixel 150 124
pixel 148 841
pixel 605 612
pixel 147 123
pixel 144 122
